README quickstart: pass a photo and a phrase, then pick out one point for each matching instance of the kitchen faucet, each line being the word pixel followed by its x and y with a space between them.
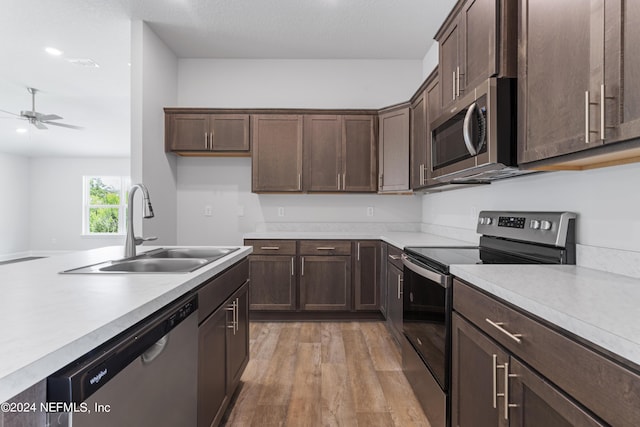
pixel 132 240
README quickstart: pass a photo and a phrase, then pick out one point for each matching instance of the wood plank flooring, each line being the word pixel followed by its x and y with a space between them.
pixel 324 374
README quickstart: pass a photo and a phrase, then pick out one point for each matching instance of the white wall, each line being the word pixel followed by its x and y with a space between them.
pixel 607 201
pixel 238 83
pixel 55 204
pixel 14 210
pixel 225 183
pixel 430 60
pixel 154 77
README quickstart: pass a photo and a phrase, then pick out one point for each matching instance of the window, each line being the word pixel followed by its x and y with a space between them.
pixel 105 205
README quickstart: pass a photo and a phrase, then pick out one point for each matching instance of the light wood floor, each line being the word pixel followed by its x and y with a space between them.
pixel 324 374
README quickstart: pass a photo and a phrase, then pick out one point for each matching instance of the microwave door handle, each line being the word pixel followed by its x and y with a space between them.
pixel 466 130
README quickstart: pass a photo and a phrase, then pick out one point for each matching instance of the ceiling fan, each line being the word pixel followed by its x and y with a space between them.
pixel 37 119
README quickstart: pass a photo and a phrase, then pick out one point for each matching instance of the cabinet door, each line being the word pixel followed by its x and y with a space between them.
pixel 325 283
pixel 394 301
pixel 237 337
pixel 479 59
pixel 560 47
pixel 360 158
pixel 394 150
pixel 448 68
pixel 272 283
pixel 622 84
pixel 537 403
pixel 277 153
pixel 367 274
pixel 212 359
pixel 322 153
pixel 418 141
pixel 189 132
pixel 229 132
pixel 477 365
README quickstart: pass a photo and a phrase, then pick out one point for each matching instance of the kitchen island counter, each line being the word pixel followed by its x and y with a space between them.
pixel 50 319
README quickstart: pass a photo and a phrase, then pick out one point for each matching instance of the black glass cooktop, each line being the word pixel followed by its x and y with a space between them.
pixel 440 258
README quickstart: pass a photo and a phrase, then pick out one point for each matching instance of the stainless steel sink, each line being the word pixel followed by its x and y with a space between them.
pixel 163 260
pixel 156 265
pixel 208 253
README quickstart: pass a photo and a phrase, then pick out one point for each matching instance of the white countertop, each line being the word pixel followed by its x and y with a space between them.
pixel 395 238
pixel 601 307
pixel 49 319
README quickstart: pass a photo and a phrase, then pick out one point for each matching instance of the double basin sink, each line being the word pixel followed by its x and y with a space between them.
pixel 163 260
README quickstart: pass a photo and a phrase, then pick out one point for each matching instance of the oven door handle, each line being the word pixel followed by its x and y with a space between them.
pixel 441 279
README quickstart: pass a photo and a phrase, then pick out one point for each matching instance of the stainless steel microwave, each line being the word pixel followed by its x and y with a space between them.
pixel 475 140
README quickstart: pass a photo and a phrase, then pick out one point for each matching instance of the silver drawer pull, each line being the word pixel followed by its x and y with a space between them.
pixel 395 257
pixel 270 248
pixel 325 248
pixel 498 326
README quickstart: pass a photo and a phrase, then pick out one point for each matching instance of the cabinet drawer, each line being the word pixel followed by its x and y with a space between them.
pixel 272 247
pixel 325 247
pixel 607 388
pixel 217 290
pixel 394 256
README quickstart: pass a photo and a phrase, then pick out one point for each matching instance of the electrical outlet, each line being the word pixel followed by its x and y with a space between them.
pixel 281 211
pixel 370 211
pixel 208 211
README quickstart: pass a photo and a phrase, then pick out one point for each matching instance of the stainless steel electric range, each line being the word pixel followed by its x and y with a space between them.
pixel 507 238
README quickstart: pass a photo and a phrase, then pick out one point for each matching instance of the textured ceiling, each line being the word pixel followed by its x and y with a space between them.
pixel 99 98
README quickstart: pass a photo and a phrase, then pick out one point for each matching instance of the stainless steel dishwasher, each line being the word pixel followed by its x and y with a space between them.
pixel 146 376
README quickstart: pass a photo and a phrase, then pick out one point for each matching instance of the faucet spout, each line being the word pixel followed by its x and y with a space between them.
pixel 132 240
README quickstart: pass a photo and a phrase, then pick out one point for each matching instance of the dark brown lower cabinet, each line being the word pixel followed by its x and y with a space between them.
pixel 325 282
pixel 273 282
pixel 511 369
pixel 485 377
pixel 367 275
pixel 223 342
pixel 394 292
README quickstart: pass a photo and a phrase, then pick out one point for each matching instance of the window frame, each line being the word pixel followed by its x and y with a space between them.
pixel 87 206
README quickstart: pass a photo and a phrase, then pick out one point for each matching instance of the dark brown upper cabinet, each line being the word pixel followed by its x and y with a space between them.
pixel 578 83
pixel 394 149
pixel 422 111
pixel 477 41
pixel 203 134
pixel 277 153
pixel 339 153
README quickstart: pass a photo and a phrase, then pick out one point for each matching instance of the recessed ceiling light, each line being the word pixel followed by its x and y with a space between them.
pixel 21 130
pixel 53 51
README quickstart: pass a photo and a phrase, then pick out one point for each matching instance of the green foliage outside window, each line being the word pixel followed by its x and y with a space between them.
pixel 104 201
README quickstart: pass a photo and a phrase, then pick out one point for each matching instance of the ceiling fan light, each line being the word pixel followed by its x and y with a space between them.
pixel 53 51
pixel 21 130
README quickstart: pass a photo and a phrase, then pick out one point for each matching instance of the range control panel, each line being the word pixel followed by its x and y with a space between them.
pixel 549 228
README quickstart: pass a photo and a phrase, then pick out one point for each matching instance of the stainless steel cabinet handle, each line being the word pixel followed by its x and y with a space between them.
pixel 358 252
pixel 421 174
pixel 325 248
pixel 302 268
pixel 395 257
pixel 292 268
pixel 507 405
pixel 211 140
pixel 494 364
pixel 453 84
pixel 206 140
pixel 339 186
pixel 299 182
pixel 498 326
pixel 458 82
pixel 270 248
pixel 399 287
pixel 344 181
pixel 602 112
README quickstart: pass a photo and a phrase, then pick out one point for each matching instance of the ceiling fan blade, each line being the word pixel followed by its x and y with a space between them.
pixel 47 117
pixel 38 124
pixel 9 112
pixel 64 125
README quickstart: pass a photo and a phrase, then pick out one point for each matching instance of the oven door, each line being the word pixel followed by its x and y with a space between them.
pixel 427 316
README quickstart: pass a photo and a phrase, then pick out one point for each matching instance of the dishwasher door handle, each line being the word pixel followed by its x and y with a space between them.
pixel 155 350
